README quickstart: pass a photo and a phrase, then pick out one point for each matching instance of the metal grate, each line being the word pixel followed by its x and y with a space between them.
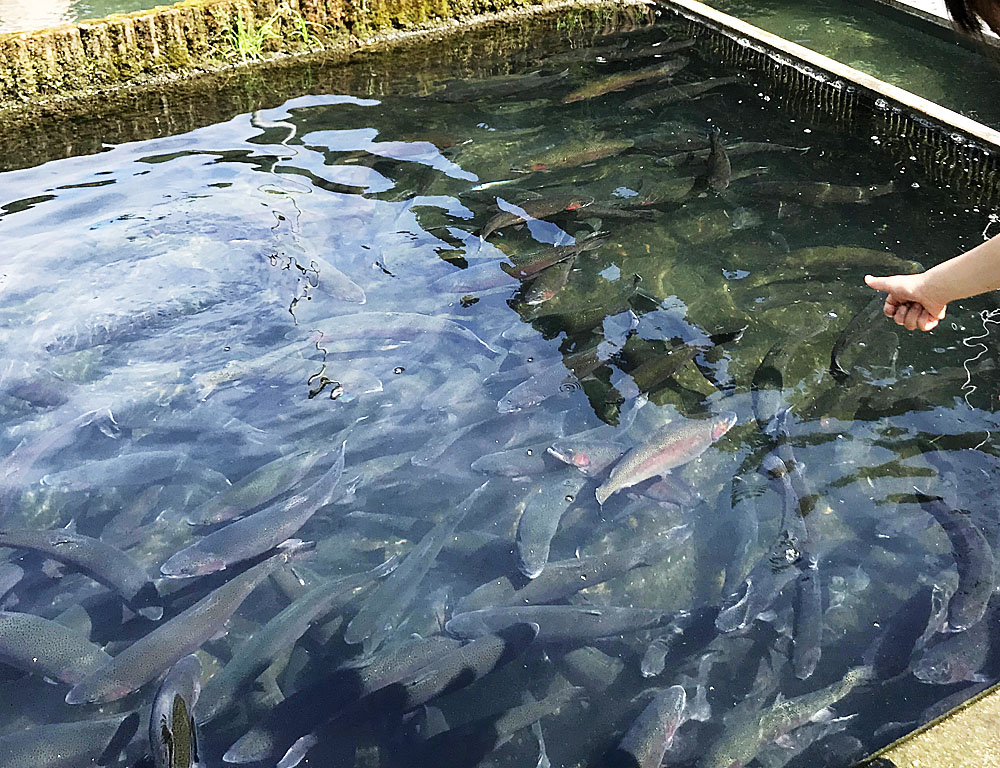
pixel 945 155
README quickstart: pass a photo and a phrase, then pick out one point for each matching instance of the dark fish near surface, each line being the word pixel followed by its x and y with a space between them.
pixel 557 623
pixel 648 51
pixel 494 88
pixel 772 572
pixel 670 446
pixel 48 648
pixel 173 733
pixel 859 326
pixel 326 278
pixel 954 657
pixel 467 745
pixel 145 659
pixel 561 579
pixel 128 469
pixel 889 655
pixel 534 209
pixel 101 562
pixel 591 457
pixel 651 373
pixel 259 487
pixel 623 80
pixel 547 285
pixel 85 743
pixel 807 626
pixel 552 380
pixel 383 611
pixel 257 652
pixel 819 192
pixel 126 326
pixel 554 255
pixel 752 728
pixel 739 149
pixel 720 171
pixel 450 672
pixel 973 558
pixel 766 387
pixel 539 522
pixel 651 734
pixel 675 93
pixel 257 533
pixel 306 709
pixel 514 462
pixel 399 326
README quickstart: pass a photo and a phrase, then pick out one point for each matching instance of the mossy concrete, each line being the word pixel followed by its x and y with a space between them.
pixel 197 36
pixel 86 121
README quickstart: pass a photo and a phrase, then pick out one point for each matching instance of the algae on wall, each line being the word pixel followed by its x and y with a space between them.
pixel 202 35
pixel 44 129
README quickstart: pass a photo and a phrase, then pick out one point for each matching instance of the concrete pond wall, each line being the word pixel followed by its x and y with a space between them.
pixel 40 121
pixel 205 35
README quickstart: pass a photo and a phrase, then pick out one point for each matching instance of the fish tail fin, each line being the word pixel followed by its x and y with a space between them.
pixel 602 493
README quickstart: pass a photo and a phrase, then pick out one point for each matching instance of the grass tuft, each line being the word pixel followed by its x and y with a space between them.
pixel 248 41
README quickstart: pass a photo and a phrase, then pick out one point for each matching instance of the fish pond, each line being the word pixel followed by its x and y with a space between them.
pixel 512 411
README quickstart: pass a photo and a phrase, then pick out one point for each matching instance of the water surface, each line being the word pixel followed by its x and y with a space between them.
pixel 178 313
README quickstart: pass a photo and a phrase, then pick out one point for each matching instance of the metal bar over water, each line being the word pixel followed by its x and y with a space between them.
pixel 952 150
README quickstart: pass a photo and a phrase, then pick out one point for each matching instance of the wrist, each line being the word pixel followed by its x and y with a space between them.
pixel 935 285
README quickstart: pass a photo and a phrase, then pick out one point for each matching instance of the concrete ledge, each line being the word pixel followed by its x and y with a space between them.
pixel 85 122
pixel 196 36
pixel 952 150
pixel 931 23
pixel 966 737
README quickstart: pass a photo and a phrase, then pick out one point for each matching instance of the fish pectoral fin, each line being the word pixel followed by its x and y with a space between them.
pixel 298 751
pixel 825 715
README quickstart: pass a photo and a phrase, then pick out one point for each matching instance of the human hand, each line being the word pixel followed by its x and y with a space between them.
pixel 910 302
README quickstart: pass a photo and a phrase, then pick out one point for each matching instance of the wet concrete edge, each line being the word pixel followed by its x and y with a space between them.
pixel 63 68
pixel 950 149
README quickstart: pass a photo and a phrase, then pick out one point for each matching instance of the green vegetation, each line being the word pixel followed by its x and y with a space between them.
pixel 303 30
pixel 248 41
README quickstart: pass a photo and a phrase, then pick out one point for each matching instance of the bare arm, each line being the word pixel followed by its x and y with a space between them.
pixel 920 301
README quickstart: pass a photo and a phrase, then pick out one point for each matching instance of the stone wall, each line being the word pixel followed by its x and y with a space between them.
pixel 202 35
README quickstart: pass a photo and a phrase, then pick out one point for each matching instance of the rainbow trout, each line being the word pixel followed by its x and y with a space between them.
pixel 751 728
pixel 47 648
pixel 536 209
pixel 819 192
pixel 651 734
pixel 68 745
pixel 623 80
pixel 257 533
pixel 147 658
pixel 102 562
pixel 720 170
pixel 173 738
pixel 672 445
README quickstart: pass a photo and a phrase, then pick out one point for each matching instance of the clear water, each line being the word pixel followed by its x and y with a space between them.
pixel 172 322
pixel 22 15
pixel 888 49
